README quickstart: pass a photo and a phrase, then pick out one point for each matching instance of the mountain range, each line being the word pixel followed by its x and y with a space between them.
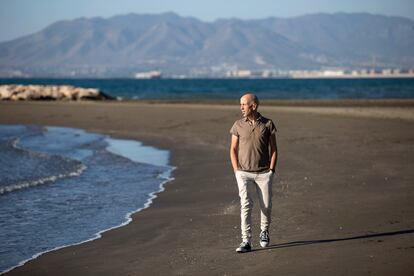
pixel 122 45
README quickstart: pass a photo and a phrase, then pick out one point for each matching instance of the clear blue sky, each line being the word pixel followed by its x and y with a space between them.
pixel 21 17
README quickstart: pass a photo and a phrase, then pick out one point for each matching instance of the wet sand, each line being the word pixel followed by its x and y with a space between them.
pixel 343 200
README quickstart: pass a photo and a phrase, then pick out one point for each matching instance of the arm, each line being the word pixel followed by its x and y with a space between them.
pixel 233 152
pixel 273 152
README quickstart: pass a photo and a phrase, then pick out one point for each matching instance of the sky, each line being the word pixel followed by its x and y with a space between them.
pixel 22 17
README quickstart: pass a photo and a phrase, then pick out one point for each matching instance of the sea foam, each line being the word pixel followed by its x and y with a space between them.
pixel 116 179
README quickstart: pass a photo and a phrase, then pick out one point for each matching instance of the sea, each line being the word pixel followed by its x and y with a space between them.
pixel 204 89
pixel 64 186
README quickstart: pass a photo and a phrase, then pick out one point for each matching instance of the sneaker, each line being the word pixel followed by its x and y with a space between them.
pixel 264 238
pixel 244 247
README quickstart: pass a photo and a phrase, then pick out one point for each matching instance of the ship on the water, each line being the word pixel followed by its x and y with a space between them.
pixel 149 75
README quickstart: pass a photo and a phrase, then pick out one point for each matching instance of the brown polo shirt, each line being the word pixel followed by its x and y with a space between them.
pixel 254 143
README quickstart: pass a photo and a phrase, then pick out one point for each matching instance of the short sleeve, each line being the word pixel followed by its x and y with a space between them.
pixel 272 128
pixel 234 130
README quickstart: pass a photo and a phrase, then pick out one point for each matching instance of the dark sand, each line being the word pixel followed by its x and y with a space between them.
pixel 343 196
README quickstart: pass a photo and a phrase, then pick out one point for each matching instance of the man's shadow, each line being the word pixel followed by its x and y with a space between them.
pixel 302 243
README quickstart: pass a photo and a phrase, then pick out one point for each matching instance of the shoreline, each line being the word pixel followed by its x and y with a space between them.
pixel 165 177
pixel 397 102
pixel 286 102
pixel 98 235
pixel 179 233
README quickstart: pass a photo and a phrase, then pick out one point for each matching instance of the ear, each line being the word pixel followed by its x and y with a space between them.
pixel 254 106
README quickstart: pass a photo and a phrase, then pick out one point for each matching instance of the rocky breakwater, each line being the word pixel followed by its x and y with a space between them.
pixel 50 93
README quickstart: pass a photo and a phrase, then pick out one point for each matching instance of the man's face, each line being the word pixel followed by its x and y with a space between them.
pixel 246 106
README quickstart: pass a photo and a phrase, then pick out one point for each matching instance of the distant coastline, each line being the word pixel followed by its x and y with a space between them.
pixel 324 74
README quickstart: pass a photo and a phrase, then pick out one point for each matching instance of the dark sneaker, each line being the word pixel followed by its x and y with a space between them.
pixel 264 239
pixel 244 247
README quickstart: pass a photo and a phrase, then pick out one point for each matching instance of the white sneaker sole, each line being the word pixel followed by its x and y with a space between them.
pixel 242 251
pixel 264 244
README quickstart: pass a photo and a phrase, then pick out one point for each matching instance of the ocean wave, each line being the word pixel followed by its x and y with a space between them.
pixel 165 176
pixel 122 177
pixel 75 170
pixel 46 180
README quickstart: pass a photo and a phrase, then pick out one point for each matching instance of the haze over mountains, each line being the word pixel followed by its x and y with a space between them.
pixel 122 45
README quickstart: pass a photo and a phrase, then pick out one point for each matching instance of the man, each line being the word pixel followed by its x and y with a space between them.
pixel 253 154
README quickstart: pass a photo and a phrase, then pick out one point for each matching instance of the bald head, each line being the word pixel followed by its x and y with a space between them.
pixel 250 98
pixel 248 106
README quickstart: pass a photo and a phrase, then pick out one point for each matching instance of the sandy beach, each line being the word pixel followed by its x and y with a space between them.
pixel 343 201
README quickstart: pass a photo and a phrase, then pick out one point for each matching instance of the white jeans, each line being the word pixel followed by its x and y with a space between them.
pixel 263 184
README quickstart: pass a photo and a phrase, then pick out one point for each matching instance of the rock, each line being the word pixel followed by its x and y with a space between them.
pixel 5 92
pixel 50 93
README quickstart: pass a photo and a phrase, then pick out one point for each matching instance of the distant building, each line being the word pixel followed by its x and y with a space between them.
pixel 332 73
pixel 323 74
pixel 239 73
pixel 149 75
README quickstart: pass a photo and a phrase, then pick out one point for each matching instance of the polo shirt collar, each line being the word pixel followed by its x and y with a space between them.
pixel 259 118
